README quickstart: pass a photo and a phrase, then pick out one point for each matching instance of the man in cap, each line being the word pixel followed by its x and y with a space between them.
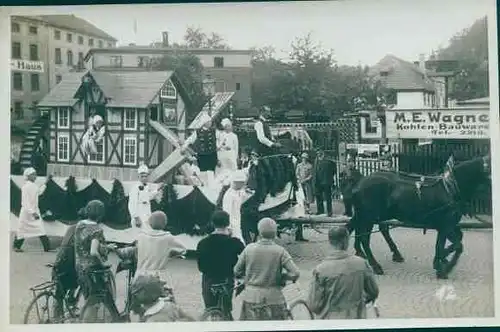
pixel 265 145
pixel 261 264
pixel 205 144
pixel 30 220
pixel 350 176
pixel 139 199
pixel 227 147
pixel 232 201
pixel 94 134
pixel 343 283
pixel 323 177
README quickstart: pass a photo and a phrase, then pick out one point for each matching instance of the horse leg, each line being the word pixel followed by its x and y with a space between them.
pixel 357 243
pixel 365 241
pixel 458 249
pixel 396 255
pixel 439 260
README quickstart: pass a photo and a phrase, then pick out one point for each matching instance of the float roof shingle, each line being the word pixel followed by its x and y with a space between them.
pixel 131 89
pixel 63 93
pixel 124 89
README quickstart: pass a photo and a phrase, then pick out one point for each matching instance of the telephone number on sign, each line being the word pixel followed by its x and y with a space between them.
pixel 475 133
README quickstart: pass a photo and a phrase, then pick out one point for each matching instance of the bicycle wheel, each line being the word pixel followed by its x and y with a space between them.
pixel 213 315
pixel 299 310
pixel 97 310
pixel 41 309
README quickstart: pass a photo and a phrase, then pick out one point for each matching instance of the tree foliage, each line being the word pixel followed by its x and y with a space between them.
pixel 197 38
pixel 311 81
pixel 470 49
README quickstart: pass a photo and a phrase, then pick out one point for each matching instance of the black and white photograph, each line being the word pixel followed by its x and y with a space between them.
pixel 328 163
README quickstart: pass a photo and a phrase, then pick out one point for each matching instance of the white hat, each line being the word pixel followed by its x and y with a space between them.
pixel 29 171
pixel 225 122
pixel 97 118
pixel 239 176
pixel 143 169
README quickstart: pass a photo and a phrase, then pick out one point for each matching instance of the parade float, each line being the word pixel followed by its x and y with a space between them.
pixel 142 120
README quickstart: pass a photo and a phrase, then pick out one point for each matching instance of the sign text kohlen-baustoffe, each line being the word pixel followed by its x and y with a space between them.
pixel 439 124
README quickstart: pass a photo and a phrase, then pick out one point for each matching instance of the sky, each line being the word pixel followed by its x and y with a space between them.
pixel 358 31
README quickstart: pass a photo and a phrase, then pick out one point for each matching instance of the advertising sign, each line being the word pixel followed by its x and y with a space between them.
pixel 27 66
pixel 439 124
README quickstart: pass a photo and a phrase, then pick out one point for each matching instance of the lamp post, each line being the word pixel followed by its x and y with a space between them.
pixel 209 89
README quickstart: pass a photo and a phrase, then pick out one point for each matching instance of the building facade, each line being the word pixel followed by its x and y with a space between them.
pixel 231 69
pixel 43 49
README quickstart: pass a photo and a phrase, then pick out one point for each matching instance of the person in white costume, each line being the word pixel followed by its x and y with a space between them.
pixel 139 199
pixel 30 219
pixel 234 197
pixel 227 147
pixel 94 134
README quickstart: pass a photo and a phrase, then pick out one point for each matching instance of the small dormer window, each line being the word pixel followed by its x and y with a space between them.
pixel 168 91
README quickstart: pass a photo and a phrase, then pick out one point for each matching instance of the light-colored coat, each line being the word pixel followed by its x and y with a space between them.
pixel 227 150
pixel 231 203
pixel 139 204
pixel 28 225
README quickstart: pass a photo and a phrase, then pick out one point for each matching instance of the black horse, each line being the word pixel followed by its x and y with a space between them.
pixel 436 203
pixel 269 176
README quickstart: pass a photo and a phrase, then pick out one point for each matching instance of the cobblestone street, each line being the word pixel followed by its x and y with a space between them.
pixel 408 290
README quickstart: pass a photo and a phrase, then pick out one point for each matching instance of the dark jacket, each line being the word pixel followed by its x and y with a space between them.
pixel 323 172
pixel 349 178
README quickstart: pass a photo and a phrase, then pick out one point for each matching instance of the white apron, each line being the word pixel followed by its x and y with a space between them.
pixel 228 159
pixel 139 204
pixel 231 203
pixel 29 226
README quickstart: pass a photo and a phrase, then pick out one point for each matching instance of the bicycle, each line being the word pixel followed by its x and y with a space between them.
pixel 104 296
pixel 46 292
pixel 297 309
pixel 217 313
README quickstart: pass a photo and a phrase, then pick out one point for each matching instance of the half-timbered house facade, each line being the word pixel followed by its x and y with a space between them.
pixel 130 103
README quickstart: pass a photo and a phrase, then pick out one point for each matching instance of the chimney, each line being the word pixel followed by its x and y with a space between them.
pixel 421 62
pixel 164 38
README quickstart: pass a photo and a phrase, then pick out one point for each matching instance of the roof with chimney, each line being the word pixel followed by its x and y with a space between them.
pixel 73 23
pixel 133 49
pixel 122 89
pixel 399 74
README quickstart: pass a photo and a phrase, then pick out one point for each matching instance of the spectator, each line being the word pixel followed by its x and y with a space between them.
pixel 154 248
pixel 91 253
pixel 65 271
pixel 342 284
pixel 350 177
pixel 150 304
pixel 262 264
pixel 304 177
pixel 323 177
pixel 217 256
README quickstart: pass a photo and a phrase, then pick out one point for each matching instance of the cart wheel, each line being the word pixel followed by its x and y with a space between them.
pixel 213 315
pixel 41 309
pixel 299 310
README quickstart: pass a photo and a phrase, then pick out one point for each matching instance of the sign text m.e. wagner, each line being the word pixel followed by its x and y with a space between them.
pixel 439 124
